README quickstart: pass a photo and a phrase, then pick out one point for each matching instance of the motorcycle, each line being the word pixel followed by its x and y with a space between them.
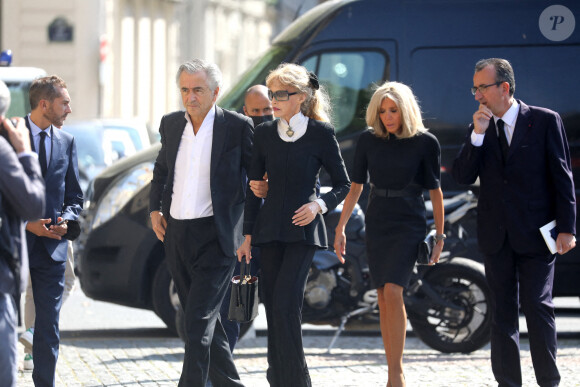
pixel 447 304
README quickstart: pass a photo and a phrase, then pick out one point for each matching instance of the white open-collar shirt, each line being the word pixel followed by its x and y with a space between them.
pixel 191 182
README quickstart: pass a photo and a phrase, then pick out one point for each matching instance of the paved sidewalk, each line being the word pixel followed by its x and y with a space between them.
pixel 355 361
pixel 110 345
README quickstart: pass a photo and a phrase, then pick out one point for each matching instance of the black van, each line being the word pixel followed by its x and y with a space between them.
pixel 352 46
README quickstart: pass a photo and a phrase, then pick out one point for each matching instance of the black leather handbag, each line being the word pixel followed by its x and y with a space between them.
pixel 244 298
pixel 426 248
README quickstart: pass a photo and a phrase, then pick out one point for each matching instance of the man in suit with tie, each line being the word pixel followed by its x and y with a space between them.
pixel 197 200
pixel 47 247
pixel 21 198
pixel 520 155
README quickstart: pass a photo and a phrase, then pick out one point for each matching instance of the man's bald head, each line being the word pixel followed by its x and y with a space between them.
pixel 256 102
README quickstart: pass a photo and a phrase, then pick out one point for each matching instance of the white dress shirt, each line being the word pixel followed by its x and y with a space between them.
pixel 35 130
pixel 191 182
pixel 298 123
pixel 509 119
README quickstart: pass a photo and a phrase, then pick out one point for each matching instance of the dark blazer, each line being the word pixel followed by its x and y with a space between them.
pixel 22 193
pixel 64 196
pixel 533 188
pixel 230 159
pixel 293 169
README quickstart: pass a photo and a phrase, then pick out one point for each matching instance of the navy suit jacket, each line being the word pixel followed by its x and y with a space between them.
pixel 22 196
pixel 533 188
pixel 64 196
pixel 230 160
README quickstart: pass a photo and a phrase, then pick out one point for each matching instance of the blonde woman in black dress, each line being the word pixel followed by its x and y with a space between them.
pixel 401 159
pixel 289 227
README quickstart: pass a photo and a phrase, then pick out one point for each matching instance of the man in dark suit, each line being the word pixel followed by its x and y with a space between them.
pixel 21 198
pixel 197 200
pixel 520 155
pixel 47 247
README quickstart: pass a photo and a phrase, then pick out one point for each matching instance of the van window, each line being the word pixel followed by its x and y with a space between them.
pixel 349 78
pixel 442 78
pixel 19 104
pixel 257 73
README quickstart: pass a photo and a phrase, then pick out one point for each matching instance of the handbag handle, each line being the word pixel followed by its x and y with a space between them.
pixel 245 275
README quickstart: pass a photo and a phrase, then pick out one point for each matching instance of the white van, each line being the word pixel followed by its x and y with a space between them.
pixel 18 80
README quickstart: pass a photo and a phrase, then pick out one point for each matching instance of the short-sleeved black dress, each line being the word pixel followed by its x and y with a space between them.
pixel 396 225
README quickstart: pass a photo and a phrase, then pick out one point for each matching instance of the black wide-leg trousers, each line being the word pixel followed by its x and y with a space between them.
pixel 201 272
pixel 284 273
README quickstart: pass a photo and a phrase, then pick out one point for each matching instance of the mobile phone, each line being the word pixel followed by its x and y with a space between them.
pixel 61 222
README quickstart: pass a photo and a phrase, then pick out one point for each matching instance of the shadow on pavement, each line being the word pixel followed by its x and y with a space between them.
pixel 117 333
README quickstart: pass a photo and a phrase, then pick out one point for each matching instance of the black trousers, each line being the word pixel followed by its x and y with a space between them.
pixel 284 273
pixel 201 272
pixel 527 280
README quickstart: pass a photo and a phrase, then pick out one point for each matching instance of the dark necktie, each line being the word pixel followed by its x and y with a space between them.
pixel 503 142
pixel 42 153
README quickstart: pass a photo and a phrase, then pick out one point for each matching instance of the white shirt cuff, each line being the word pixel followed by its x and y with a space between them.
pixel 27 153
pixel 323 208
pixel 477 139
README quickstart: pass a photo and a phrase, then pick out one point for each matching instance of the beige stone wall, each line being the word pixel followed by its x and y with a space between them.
pixel 25 31
pixel 147 40
pixel 143 53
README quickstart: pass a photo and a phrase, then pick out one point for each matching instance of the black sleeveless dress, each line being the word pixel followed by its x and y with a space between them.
pixel 396 225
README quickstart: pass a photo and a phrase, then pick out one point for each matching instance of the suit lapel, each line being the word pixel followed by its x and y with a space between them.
pixel 56 148
pixel 523 127
pixel 220 134
pixel 173 141
pixel 30 134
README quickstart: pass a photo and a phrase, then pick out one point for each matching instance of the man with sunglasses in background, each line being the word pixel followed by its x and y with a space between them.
pixel 520 155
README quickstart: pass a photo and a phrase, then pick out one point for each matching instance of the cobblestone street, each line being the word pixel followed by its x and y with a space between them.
pixel 355 361
pixel 103 344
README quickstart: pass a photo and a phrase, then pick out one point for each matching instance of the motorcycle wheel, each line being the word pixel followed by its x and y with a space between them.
pixel 461 282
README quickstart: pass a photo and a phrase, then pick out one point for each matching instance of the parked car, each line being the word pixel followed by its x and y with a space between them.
pixel 351 46
pixel 136 128
pixel 100 143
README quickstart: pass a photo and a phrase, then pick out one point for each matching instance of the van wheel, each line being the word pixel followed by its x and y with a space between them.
pixel 162 292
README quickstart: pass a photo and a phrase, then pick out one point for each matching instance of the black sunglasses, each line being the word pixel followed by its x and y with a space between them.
pixel 280 95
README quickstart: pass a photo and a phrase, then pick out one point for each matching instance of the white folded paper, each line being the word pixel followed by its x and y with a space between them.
pixel 549 233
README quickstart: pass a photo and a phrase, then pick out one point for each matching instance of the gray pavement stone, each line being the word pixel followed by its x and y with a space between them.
pixel 110 345
pixel 355 361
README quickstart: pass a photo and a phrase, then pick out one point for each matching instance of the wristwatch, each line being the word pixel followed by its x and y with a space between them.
pixel 440 237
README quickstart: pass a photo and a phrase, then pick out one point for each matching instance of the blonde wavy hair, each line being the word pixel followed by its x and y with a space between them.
pixel 317 103
pixel 402 95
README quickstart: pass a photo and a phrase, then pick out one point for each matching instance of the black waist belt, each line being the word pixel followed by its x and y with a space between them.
pixel 396 193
